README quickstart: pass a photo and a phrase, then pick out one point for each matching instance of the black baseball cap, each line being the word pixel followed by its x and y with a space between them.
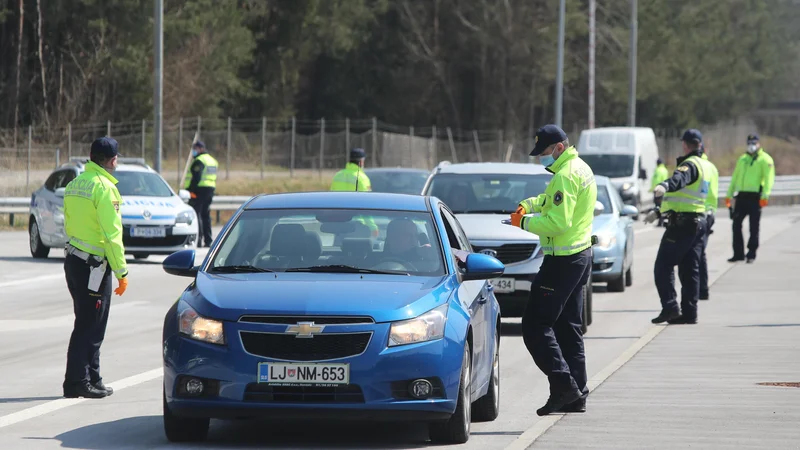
pixel 692 135
pixel 752 139
pixel 199 144
pixel 357 153
pixel 105 146
pixel 547 136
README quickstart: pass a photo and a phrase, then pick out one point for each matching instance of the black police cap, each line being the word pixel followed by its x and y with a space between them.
pixel 105 146
pixel 357 153
pixel 547 136
pixel 692 135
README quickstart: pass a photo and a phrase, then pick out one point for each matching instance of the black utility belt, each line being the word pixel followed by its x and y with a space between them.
pixel 677 219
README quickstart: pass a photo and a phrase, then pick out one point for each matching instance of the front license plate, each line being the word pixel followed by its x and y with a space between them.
pixel 504 285
pixel 293 374
pixel 148 232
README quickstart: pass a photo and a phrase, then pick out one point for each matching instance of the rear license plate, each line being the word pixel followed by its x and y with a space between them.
pixel 292 374
pixel 148 232
pixel 504 285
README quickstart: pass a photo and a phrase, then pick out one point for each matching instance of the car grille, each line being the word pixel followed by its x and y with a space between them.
pixel 510 253
pixel 318 348
pixel 259 392
pixel 318 320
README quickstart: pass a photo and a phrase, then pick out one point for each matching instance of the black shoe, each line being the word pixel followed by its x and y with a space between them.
pixel 84 390
pixel 750 260
pixel 558 400
pixel 704 296
pixel 102 387
pixel 666 316
pixel 578 406
pixel 736 259
pixel 682 320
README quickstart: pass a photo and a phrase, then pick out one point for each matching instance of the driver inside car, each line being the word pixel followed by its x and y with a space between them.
pixel 402 242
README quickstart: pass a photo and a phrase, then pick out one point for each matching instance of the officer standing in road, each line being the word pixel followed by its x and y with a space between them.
pixel 201 182
pixel 352 178
pixel 551 325
pixel 711 210
pixel 660 175
pixel 752 179
pixel 684 203
pixel 94 226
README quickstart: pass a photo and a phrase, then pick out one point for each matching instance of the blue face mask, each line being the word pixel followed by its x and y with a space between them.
pixel 194 152
pixel 547 160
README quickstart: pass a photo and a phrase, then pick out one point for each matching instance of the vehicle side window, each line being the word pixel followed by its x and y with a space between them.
pixel 69 175
pixel 53 180
pixel 450 230
pixel 617 200
pixel 460 234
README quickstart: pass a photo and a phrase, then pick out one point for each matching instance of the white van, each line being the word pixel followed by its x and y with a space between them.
pixel 626 155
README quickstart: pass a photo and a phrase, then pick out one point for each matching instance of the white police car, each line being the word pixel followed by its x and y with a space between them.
pixel 155 220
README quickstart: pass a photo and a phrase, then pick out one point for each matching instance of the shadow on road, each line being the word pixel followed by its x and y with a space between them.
pixel 147 432
pixel 511 329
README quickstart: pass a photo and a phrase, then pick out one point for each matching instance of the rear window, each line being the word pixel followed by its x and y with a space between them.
pixel 486 193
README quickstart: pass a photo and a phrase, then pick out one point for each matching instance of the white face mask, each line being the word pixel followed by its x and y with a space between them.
pixel 752 148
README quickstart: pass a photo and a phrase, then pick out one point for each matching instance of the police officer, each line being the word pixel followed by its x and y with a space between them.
pixel 94 226
pixel 201 182
pixel 684 203
pixel 353 178
pixel 753 179
pixel 551 325
pixel 661 174
pixel 711 209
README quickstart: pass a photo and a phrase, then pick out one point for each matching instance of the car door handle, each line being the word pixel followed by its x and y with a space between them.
pixel 483 298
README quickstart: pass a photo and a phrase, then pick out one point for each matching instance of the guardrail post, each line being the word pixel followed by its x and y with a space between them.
pixel 291 162
pixel 11 219
pixel 228 156
pixel 321 145
pixel 263 144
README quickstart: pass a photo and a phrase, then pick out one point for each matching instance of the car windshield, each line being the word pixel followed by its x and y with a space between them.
pixel 612 166
pixel 604 198
pixel 145 184
pixel 331 240
pixel 397 182
pixel 486 193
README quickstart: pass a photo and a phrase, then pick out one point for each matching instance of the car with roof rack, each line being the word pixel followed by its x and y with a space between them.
pixel 155 219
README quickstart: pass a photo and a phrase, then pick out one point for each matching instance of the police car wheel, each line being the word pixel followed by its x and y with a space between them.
pixel 181 429
pixel 487 408
pixel 456 429
pixel 38 249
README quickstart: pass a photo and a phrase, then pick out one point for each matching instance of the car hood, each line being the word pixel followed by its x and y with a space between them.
pixel 487 227
pixel 383 297
pixel 157 208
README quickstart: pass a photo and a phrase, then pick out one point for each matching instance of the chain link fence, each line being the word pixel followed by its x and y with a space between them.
pixel 261 148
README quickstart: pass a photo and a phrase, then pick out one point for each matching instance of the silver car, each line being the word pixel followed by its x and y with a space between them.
pixel 613 226
pixel 482 195
pixel 155 220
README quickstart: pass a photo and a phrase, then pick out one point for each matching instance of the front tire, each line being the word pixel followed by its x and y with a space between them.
pixel 619 284
pixel 456 429
pixel 179 429
pixel 37 247
pixel 487 408
pixel 629 276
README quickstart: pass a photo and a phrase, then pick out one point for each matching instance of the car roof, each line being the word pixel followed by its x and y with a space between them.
pixel 124 164
pixel 492 168
pixel 395 169
pixel 340 199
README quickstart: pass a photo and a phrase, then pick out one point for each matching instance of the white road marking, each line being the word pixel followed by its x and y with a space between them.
pixel 55 405
pixel 31 280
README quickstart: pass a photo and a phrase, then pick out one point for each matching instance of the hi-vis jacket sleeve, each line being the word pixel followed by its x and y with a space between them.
pixel 769 178
pixel 533 204
pixel 111 226
pixel 558 217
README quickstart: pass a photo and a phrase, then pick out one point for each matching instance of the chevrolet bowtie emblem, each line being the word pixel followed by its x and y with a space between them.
pixel 304 329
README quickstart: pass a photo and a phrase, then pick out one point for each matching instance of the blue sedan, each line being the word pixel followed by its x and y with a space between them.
pixel 297 312
pixel 613 225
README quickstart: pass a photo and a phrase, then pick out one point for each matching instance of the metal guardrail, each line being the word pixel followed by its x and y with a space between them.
pixel 785 186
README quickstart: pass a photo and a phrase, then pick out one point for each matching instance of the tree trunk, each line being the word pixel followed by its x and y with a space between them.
pixel 41 63
pixel 19 67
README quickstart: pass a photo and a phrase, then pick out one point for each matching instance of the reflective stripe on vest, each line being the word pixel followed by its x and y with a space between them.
pixel 209 176
pixel 691 198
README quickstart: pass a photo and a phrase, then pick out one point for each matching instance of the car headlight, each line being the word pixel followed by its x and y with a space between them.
pixel 186 217
pixel 426 327
pixel 626 186
pixel 606 240
pixel 196 327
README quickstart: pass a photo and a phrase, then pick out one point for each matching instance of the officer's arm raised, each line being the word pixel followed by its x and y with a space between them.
pixel 684 175
pixel 558 219
pixel 111 225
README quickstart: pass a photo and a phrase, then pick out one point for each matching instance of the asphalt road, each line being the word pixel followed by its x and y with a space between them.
pixel 36 322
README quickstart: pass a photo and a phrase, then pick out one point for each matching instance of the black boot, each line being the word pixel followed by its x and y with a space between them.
pixel 559 400
pixel 683 320
pixel 578 406
pixel 666 316
pixel 83 389
pixel 102 387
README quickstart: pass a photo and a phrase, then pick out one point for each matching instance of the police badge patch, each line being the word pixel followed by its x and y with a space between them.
pixel 558 198
pixel 116 206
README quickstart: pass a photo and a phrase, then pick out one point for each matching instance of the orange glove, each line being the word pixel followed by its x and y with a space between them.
pixel 123 285
pixel 727 203
pixel 516 219
pixel 763 202
pixel 192 195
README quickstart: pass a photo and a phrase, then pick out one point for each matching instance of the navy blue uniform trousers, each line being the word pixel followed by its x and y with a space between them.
pixel 747 204
pixel 703 260
pixel 89 329
pixel 202 207
pixel 682 246
pixel 551 324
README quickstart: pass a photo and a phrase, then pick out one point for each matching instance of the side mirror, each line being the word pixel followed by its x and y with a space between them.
pixel 642 174
pixel 598 208
pixel 180 263
pixel 184 195
pixel 629 210
pixel 60 192
pixel 482 267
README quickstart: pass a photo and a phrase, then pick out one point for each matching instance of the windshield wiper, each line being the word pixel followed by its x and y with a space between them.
pixel 240 269
pixel 343 268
